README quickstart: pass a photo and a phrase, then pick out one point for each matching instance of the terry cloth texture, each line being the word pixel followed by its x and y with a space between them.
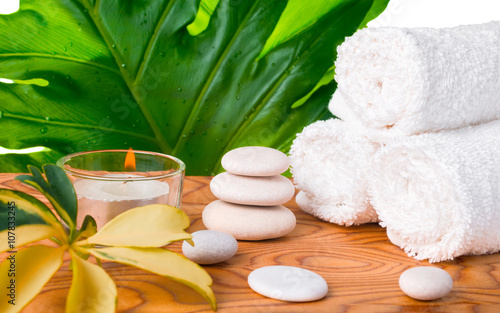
pixel 438 194
pixel 399 81
pixel 330 165
pixel 422 104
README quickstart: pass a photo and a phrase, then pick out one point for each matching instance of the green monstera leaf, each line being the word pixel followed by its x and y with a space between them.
pixel 113 74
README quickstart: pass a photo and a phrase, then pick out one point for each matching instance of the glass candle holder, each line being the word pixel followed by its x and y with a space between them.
pixel 109 182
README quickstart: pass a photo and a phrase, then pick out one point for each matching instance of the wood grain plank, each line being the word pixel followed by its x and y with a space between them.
pixel 361 267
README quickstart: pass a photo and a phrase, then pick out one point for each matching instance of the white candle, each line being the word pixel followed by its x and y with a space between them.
pixel 105 199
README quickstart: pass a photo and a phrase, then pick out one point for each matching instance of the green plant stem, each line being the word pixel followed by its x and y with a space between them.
pixel 56 240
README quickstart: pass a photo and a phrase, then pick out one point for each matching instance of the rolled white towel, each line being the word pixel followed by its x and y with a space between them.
pixel 438 194
pixel 330 164
pixel 398 81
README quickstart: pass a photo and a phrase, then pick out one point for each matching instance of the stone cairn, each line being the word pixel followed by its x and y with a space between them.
pixel 251 194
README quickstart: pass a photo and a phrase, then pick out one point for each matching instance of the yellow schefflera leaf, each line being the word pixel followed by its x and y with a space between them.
pixel 92 290
pixel 152 225
pixel 26 205
pixel 30 277
pixel 162 262
pixel 26 234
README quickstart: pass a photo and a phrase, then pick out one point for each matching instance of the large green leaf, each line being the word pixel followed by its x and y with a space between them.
pixel 16 162
pixel 128 74
pixel 203 16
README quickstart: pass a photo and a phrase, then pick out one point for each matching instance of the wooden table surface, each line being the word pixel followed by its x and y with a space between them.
pixel 360 265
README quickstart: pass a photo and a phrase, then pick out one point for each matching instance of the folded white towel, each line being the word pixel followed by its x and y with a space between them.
pixel 438 194
pixel 330 165
pixel 398 81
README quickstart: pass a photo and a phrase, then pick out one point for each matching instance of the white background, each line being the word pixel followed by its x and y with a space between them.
pixel 437 13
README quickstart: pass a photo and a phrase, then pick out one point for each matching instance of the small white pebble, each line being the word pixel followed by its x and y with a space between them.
pixel 425 283
pixel 288 283
pixel 210 247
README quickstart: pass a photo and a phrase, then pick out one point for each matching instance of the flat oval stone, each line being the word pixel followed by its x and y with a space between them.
pixel 247 222
pixel 210 247
pixel 425 283
pixel 269 190
pixel 288 283
pixel 255 161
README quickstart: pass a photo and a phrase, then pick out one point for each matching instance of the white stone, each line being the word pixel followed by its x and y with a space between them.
pixel 246 222
pixel 210 247
pixel 288 283
pixel 269 190
pixel 255 161
pixel 425 283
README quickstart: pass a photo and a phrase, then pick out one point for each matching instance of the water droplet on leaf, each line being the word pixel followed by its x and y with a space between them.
pixel 224 125
pixel 113 46
pixel 237 97
pixel 179 89
pixel 204 132
pixel 192 132
pixel 124 65
pixel 43 130
pixel 273 64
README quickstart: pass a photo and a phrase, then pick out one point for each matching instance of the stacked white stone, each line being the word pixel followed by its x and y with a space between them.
pixel 251 195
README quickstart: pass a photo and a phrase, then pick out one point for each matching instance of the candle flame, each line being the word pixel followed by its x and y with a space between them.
pixel 130 160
